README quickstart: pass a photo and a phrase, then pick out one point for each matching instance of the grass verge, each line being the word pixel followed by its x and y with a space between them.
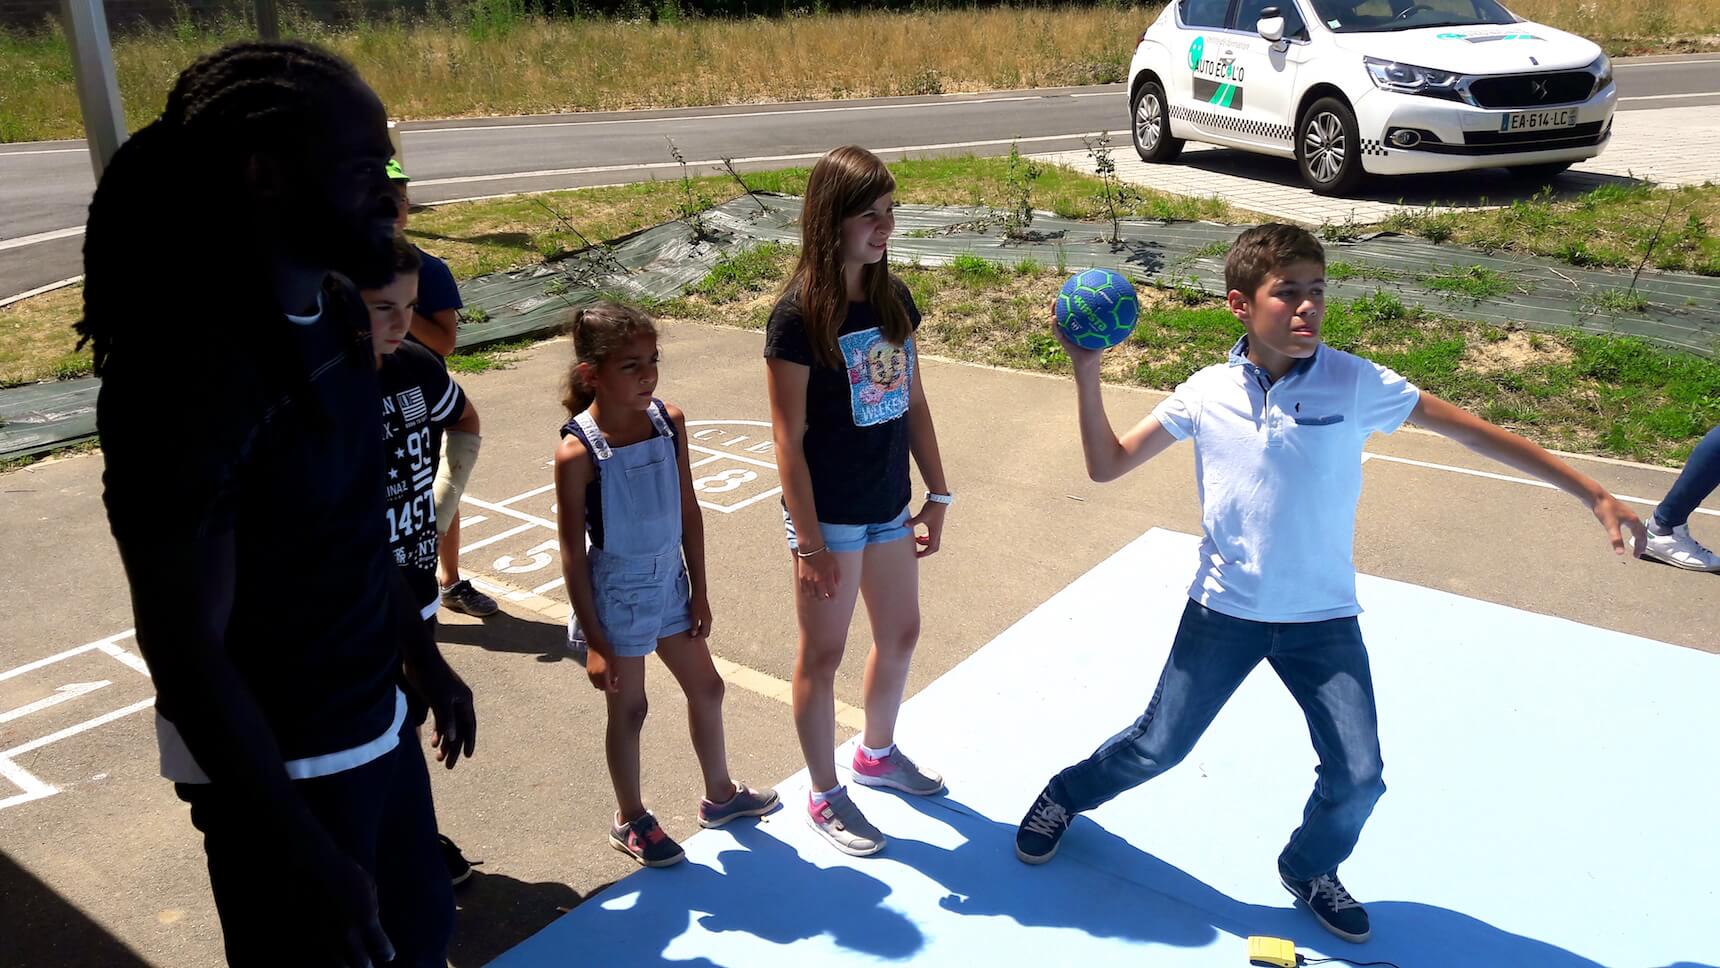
pixel 1583 393
pixel 1622 226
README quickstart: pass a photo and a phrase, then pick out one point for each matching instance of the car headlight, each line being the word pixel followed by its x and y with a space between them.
pixel 1410 79
pixel 1602 68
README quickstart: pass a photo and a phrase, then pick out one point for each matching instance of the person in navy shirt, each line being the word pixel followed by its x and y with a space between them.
pixel 1278 430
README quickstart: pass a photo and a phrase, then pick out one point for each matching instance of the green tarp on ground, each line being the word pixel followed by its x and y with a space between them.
pixel 1672 310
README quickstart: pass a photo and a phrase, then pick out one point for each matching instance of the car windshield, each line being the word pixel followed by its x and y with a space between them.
pixel 1368 16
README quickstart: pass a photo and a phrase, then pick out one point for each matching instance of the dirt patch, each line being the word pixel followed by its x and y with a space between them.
pixel 1518 351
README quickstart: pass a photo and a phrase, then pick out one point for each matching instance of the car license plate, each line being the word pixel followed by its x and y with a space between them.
pixel 1538 120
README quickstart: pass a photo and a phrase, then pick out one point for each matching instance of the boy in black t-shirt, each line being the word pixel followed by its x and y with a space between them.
pixel 435 326
pixel 420 402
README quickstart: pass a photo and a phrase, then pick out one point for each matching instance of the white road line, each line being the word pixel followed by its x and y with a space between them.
pixel 757 159
pixel 548 585
pixel 452 129
pixel 1670 97
pixel 65 693
pixel 749 502
pixel 131 659
pixel 23 779
pixel 1669 63
pixel 49 151
pixel 62 656
pixel 71 731
pixel 731 456
pixel 531 493
pixel 39 290
pixel 492 539
pixel 39 237
pixel 1651 502
pixel 510 512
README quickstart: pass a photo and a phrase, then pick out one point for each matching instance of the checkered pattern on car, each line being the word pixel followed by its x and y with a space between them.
pixel 1211 119
pixel 1373 146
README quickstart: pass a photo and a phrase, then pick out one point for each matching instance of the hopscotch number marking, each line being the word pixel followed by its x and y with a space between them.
pixel 726 481
pixel 536 558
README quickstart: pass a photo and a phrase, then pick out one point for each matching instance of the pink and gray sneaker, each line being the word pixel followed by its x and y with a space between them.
pixel 896 771
pixel 839 821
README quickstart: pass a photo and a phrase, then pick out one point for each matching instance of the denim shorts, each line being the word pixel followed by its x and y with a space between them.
pixel 854 537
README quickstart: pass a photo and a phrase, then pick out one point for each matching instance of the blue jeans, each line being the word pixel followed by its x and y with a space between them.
pixel 1325 667
pixel 1701 475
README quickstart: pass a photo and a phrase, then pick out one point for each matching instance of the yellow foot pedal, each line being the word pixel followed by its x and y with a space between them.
pixel 1277 952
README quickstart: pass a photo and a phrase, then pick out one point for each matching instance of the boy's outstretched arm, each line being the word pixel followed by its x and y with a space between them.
pixel 1511 450
pixel 1109 457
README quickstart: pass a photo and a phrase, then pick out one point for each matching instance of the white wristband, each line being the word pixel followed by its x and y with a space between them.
pixel 945 499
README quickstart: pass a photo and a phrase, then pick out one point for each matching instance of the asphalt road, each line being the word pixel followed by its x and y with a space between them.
pixel 45 186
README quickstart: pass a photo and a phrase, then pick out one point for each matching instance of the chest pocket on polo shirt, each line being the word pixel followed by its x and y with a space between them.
pixel 1322 443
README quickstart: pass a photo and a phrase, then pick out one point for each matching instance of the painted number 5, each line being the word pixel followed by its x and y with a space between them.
pixel 536 558
pixel 726 481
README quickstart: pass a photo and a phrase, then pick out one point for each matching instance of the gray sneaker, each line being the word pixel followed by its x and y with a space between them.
pixel 746 802
pixel 897 772
pixel 841 823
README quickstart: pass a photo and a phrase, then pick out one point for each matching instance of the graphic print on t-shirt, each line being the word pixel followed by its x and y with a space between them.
pixel 411 472
pixel 880 374
pixel 418 399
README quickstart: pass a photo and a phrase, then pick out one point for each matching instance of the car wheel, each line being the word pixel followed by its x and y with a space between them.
pixel 1152 125
pixel 1329 147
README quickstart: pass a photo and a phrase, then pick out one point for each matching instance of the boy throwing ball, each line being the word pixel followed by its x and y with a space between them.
pixel 1278 431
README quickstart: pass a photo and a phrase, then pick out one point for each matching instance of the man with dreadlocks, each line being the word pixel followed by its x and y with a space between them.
pixel 274 622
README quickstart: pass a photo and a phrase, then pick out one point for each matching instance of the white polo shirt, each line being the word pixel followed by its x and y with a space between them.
pixel 1279 470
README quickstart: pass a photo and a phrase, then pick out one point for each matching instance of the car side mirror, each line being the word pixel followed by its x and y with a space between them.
pixel 1271 25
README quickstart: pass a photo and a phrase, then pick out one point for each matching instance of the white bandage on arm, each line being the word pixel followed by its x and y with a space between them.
pixel 459 456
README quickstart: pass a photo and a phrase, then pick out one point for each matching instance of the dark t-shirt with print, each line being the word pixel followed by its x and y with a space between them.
pixel 419 401
pixel 856 440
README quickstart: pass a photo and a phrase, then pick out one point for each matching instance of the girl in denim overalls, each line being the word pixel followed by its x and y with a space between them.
pixel 622 478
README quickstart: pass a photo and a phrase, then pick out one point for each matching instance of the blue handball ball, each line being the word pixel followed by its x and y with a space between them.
pixel 1097 309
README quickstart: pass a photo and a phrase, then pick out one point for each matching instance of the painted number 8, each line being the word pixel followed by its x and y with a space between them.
pixel 726 481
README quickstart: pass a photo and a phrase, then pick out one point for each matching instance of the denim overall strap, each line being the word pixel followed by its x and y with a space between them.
pixel 600 449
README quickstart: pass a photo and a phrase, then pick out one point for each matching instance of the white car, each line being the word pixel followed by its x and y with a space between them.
pixel 1370 87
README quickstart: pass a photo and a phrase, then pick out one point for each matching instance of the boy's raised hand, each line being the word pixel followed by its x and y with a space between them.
pixel 1618 519
pixel 1085 360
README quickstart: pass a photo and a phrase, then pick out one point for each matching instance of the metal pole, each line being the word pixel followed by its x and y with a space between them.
pixel 268 23
pixel 98 90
